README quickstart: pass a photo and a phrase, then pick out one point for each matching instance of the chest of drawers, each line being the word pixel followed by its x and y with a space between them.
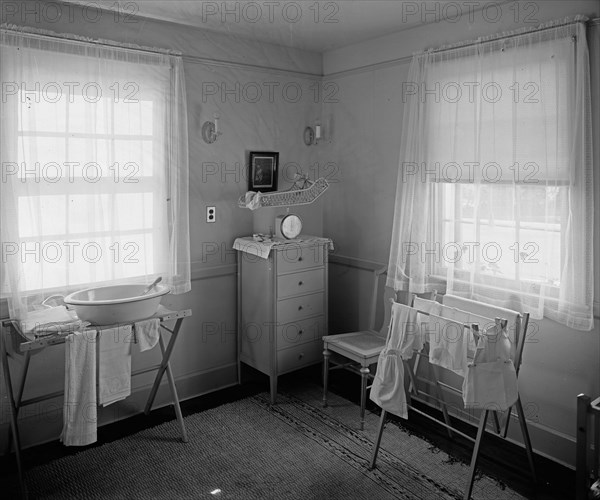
pixel 282 308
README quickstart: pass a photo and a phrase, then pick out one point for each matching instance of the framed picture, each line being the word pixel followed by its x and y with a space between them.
pixel 263 171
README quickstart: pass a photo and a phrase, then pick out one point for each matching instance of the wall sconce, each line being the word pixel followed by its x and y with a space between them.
pixel 210 130
pixel 312 136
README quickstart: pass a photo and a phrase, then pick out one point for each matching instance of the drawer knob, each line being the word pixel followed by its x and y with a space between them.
pixel 299 259
pixel 300 332
pixel 300 308
pixel 300 283
pixel 301 355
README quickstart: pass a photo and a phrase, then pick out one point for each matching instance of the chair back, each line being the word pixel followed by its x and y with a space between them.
pixel 388 294
pixel 375 299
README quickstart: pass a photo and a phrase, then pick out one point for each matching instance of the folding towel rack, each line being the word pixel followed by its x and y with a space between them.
pixel 25 344
pixel 519 342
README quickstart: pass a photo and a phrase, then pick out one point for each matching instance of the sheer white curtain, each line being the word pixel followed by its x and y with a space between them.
pixel 494 199
pixel 94 158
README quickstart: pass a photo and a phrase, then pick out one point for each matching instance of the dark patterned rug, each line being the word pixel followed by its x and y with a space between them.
pixel 250 450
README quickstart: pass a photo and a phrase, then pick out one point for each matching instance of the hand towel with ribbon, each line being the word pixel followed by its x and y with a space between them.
pixel 388 386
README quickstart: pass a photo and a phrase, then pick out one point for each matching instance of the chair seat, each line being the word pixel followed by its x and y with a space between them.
pixel 364 345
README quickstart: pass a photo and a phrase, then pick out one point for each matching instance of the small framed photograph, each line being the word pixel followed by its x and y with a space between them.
pixel 263 171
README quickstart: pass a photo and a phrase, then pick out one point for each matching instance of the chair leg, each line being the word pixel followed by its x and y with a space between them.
pixel 482 422
pixel 378 439
pixel 364 373
pixel 326 355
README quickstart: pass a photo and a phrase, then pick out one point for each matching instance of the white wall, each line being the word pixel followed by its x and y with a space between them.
pixel 559 363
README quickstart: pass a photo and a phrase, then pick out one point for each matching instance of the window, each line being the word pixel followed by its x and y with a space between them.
pixel 494 195
pixel 94 176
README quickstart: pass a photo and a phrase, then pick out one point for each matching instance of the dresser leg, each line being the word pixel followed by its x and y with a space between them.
pixel 326 355
pixel 273 384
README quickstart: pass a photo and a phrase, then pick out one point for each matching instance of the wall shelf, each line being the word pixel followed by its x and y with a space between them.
pixel 293 197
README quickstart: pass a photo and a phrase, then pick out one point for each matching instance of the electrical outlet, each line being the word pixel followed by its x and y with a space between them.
pixel 211 214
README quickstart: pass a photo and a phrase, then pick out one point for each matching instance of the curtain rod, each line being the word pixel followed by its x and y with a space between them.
pixel 44 34
pixel 405 59
pixel 509 35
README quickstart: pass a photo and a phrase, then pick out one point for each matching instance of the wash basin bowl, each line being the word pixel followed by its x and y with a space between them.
pixel 109 305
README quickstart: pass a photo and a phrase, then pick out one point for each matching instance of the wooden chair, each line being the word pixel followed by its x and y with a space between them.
pixel 357 351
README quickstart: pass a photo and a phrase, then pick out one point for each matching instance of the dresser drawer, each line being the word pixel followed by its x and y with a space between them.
pixel 289 285
pixel 296 357
pixel 301 332
pixel 296 308
pixel 294 257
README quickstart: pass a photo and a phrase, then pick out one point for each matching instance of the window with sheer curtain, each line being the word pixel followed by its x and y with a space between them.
pixel 94 167
pixel 495 195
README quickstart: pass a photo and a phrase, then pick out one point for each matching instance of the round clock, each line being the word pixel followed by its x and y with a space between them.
pixel 288 226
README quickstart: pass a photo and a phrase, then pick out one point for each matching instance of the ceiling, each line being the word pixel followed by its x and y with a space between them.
pixel 306 24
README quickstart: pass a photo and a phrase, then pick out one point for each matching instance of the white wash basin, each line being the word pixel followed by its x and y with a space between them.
pixel 109 305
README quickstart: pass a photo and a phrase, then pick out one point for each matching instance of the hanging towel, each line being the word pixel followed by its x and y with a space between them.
pixel 481 309
pixel 447 344
pixel 407 335
pixel 387 390
pixel 468 318
pixel 487 311
pixel 147 333
pixel 491 380
pixel 79 410
pixel 429 307
pixel 114 370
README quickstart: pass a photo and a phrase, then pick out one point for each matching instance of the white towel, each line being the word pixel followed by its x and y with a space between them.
pixel 468 318
pixel 147 333
pixel 447 344
pixel 487 311
pixel 429 307
pixel 426 305
pixel 114 370
pixel 387 390
pixel 54 318
pixel 79 410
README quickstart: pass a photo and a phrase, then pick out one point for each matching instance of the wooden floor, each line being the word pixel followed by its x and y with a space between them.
pixel 499 458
